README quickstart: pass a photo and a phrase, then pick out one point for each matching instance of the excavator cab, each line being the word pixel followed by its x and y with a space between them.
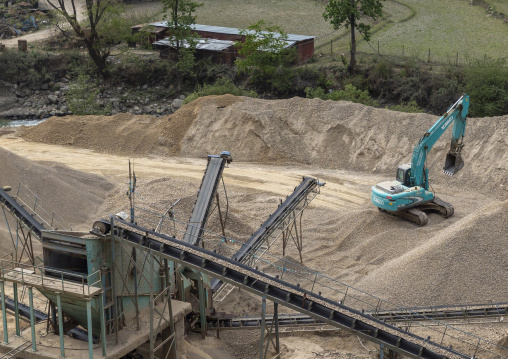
pixel 404 174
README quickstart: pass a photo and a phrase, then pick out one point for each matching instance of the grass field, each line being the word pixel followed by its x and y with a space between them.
pixel 304 17
pixel 499 6
pixel 409 27
pixel 446 28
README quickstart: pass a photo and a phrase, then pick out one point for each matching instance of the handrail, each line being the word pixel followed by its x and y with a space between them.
pixel 31 274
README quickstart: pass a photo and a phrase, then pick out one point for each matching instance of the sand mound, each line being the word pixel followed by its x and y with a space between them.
pixel 462 263
pixel 74 196
pixel 439 263
pixel 337 135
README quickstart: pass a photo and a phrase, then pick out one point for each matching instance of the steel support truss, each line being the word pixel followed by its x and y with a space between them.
pixel 287 224
pixel 21 239
pixel 289 295
pixel 138 266
pixel 263 349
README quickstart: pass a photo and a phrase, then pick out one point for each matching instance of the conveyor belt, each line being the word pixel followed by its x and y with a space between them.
pixel 414 314
pixel 286 294
pixel 24 310
pixel 255 322
pixel 420 314
pixel 300 193
pixel 20 213
pixel 204 201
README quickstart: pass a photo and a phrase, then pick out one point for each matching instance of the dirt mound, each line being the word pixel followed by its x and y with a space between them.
pixel 459 264
pixel 123 134
pixel 74 196
pixel 328 134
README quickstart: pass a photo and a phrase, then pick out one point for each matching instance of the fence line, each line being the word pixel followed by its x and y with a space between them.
pixel 334 46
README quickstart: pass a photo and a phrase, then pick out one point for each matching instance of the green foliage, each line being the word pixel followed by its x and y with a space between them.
pixel 99 14
pixel 79 64
pixel 138 71
pixel 264 56
pixel 82 96
pixel 30 67
pixel 264 48
pixel 222 86
pixel 382 70
pixel 350 93
pixel 312 77
pixel 208 72
pixel 487 85
pixel 411 107
pixel 180 15
pixel 114 27
pixel 348 13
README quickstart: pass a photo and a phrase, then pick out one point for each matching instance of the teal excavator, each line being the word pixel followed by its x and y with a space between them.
pixel 408 196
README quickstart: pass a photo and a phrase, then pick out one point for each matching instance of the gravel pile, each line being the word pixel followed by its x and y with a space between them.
pixel 297 131
pixel 463 263
pixel 458 260
pixel 74 196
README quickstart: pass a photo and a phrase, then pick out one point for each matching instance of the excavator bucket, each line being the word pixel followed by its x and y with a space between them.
pixel 453 163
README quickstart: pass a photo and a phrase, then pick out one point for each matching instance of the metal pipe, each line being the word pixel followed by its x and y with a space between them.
pixel 60 325
pixel 276 318
pixel 113 282
pixel 4 314
pixel 152 305
pixel 136 303
pixel 263 323
pixel 16 308
pixel 103 324
pixel 202 306
pixel 170 309
pixel 32 318
pixel 89 322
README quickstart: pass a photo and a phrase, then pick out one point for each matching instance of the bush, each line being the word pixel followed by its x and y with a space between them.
pixel 137 71
pixel 411 107
pixel 221 87
pixel 208 72
pixel 30 67
pixel 350 93
pixel 82 96
pixel 487 85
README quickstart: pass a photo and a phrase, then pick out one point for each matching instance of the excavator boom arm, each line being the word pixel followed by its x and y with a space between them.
pixel 457 114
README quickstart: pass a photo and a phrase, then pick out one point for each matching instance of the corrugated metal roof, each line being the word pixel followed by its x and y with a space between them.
pixel 203 44
pixel 149 28
pixel 232 31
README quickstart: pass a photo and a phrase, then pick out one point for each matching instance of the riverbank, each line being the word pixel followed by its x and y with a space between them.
pixel 38 101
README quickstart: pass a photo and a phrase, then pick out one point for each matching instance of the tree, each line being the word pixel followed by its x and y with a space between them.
pixel 348 13
pixel 263 55
pixel 99 14
pixel 184 40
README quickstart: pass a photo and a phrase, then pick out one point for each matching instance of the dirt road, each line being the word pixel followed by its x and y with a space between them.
pixel 341 189
pixel 51 31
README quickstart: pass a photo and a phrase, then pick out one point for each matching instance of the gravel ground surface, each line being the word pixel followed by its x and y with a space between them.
pixel 274 143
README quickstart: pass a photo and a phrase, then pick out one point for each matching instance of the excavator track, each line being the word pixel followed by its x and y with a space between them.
pixel 437 205
pixel 412 215
pixel 418 216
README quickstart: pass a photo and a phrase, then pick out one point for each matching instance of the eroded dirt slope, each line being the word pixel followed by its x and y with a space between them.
pixel 326 134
